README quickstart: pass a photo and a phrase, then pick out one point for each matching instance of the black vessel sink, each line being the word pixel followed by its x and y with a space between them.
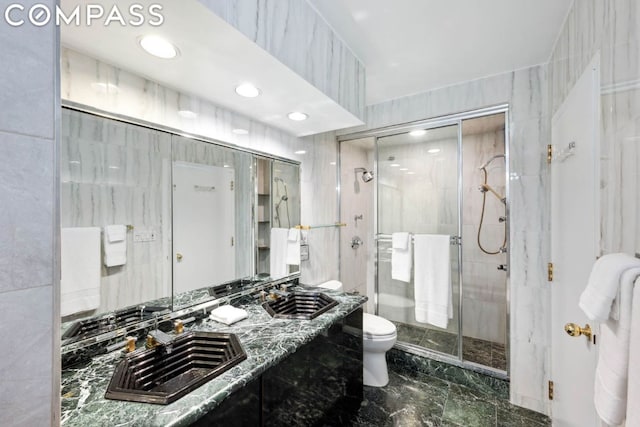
pixel 300 305
pixel 112 321
pixel 162 375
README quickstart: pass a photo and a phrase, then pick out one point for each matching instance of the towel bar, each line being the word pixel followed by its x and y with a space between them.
pixel 454 240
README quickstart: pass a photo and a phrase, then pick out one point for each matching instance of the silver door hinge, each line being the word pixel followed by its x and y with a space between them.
pixel 550 390
pixel 232 241
pixel 231 186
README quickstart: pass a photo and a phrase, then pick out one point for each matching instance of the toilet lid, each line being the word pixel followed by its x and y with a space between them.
pixel 376 325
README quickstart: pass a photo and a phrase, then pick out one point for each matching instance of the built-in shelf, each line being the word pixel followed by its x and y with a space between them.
pixel 263 247
pixel 264 194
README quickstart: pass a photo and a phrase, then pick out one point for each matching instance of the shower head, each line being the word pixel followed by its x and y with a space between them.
pixel 366 175
pixel 491 160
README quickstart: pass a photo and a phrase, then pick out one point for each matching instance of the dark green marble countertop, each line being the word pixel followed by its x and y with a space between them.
pixel 266 340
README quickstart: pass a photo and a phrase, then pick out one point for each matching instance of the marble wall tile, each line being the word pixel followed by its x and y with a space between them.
pixel 294 33
pixel 27 369
pixel 27 95
pixel 26 232
pixel 28 240
pixel 354 263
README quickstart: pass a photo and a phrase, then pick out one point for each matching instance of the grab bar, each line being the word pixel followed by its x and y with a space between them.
pixel 454 240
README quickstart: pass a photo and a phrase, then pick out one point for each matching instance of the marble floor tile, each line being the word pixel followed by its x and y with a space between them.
pixel 410 333
pixel 413 398
pixel 475 350
pixel 470 413
pixel 444 342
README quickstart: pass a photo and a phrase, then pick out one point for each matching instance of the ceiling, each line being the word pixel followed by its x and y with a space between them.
pixel 214 58
pixel 411 46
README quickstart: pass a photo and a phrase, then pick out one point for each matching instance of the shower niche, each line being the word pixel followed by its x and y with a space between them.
pixel 440 177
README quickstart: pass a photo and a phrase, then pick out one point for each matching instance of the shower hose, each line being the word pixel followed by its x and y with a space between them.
pixel 484 201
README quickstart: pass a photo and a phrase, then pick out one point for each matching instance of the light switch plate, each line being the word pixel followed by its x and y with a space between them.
pixel 144 235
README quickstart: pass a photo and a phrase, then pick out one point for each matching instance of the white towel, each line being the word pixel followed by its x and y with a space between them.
pixel 400 240
pixel 633 390
pixel 401 258
pixel 432 279
pixel 278 252
pixel 115 233
pixel 228 314
pixel 612 371
pixel 294 235
pixel 80 269
pixel 293 247
pixel 115 245
pixel 604 285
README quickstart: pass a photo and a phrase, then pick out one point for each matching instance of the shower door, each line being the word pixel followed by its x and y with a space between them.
pixel 418 191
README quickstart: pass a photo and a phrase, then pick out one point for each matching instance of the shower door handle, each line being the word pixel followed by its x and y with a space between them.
pixel 502 267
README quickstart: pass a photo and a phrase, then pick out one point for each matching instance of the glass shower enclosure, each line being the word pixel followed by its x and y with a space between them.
pixel 442 181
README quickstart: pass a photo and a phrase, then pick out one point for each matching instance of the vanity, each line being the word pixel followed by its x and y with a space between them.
pixel 296 373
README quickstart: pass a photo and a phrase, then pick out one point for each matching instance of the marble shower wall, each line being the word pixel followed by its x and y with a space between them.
pixel 356 265
pixel 526 93
pixel 30 364
pixel 484 305
pixel 612 28
pixel 294 33
pixel 142 99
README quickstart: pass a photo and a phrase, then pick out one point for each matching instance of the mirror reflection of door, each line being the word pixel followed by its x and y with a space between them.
pixel 203 226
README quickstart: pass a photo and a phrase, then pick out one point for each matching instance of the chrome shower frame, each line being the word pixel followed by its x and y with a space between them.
pixel 448 120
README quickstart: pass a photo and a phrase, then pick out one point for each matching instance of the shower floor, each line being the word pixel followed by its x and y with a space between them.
pixel 473 350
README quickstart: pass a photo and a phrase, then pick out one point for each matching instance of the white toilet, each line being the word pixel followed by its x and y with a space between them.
pixel 379 335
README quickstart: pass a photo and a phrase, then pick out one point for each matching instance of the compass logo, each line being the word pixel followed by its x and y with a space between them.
pixel 40 15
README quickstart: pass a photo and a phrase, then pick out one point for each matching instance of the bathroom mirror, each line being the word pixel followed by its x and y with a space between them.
pixel 212 217
pixel 153 222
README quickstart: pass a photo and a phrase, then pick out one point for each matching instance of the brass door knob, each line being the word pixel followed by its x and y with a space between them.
pixel 179 257
pixel 575 330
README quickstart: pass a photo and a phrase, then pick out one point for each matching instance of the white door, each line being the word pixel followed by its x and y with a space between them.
pixel 574 246
pixel 203 226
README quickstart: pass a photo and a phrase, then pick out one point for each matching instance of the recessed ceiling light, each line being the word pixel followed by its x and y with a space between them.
pixel 74 162
pixel 226 166
pixel 332 163
pixel 404 169
pixel 187 114
pixel 301 152
pixel 433 150
pixel 247 90
pixel 394 165
pixel 297 116
pixel 105 87
pixel 158 47
pixel 418 132
pixel 114 167
pixel 239 131
pixel 411 173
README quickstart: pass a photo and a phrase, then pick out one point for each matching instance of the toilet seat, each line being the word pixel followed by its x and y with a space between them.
pixel 377 328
